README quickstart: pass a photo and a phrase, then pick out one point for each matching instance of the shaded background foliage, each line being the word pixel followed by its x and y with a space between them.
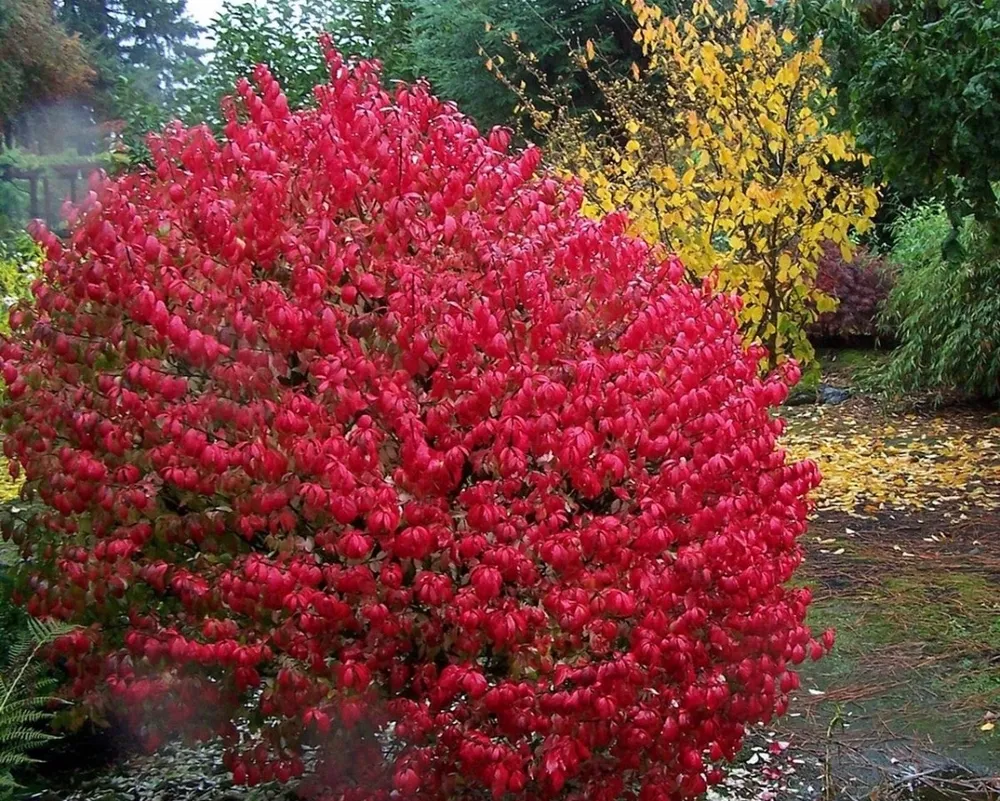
pixel 449 40
pixel 280 34
pixel 946 314
pixel 39 61
pixel 921 83
pixel 443 42
pixel 860 285
pixel 284 35
pixel 144 38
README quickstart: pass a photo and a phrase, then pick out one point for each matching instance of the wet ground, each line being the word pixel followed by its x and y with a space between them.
pixel 904 559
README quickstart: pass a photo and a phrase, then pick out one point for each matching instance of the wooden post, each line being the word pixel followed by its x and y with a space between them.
pixel 33 194
pixel 50 220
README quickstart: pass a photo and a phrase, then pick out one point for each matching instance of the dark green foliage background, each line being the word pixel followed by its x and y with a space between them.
pixel 921 82
pixel 944 313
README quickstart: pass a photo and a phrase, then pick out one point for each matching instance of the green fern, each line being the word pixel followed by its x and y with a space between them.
pixel 24 698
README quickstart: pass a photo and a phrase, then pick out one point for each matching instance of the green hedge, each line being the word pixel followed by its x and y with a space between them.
pixel 945 312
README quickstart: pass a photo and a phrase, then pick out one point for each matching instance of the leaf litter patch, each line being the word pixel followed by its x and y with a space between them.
pixel 903 556
pixel 873 460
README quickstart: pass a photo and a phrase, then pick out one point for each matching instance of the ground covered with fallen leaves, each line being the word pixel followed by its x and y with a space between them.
pixel 874 459
pixel 903 556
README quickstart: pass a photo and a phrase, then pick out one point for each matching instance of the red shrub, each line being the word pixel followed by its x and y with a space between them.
pixel 860 285
pixel 351 427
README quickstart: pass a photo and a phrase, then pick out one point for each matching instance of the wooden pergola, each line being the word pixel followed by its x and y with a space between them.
pixel 44 198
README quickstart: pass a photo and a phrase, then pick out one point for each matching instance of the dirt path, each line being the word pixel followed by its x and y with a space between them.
pixel 904 560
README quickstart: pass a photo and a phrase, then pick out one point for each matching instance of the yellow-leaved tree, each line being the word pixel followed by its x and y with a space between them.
pixel 720 147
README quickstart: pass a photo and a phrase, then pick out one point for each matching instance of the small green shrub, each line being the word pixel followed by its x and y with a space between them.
pixel 20 260
pixel 945 314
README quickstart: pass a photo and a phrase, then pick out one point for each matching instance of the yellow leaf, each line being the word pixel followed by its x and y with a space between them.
pixel 632 146
pixel 788 37
pixel 590 50
pixel 825 303
pixel 988 726
pixel 635 71
pixel 489 64
pixel 632 126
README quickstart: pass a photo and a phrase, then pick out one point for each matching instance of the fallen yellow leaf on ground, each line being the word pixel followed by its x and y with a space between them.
pixel 914 461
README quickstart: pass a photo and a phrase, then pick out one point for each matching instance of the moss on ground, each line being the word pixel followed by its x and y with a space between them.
pixel 851 366
pixel 917 659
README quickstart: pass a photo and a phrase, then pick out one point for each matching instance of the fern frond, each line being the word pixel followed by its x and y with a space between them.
pixel 22 716
pixel 45 631
pixel 24 699
pixel 25 731
pixel 14 759
pixel 7 784
pixel 20 650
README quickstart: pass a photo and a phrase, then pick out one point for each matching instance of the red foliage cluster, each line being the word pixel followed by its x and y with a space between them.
pixel 352 428
pixel 860 285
